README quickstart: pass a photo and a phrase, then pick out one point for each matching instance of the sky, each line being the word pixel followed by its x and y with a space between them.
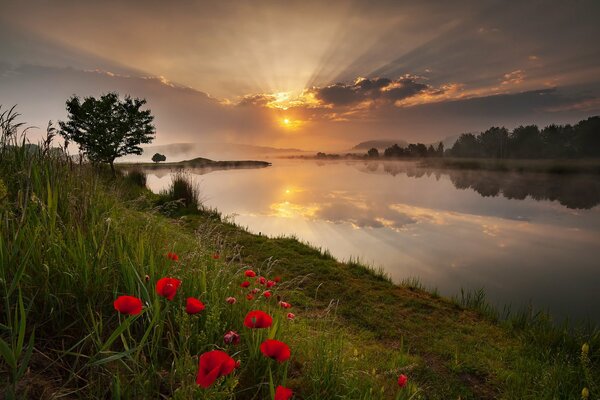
pixel 314 75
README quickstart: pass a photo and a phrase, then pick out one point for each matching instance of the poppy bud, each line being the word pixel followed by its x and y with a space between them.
pixel 147 278
pixel 402 380
pixel 585 349
pixel 231 337
pixel 231 300
pixel 291 316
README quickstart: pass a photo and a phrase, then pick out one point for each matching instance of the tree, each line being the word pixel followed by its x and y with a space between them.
pixel 373 153
pixel 440 150
pixel 108 127
pixel 157 157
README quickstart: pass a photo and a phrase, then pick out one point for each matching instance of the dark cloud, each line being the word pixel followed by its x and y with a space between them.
pixel 365 89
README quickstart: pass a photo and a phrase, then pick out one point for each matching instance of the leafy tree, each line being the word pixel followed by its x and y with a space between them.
pixel 440 150
pixel 108 127
pixel 373 153
pixel 157 157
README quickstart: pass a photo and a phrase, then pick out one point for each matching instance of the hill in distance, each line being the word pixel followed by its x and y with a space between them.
pixel 380 144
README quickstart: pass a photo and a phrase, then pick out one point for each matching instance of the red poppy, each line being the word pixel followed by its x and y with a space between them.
pixel 402 380
pixel 212 365
pixel 250 274
pixel 291 316
pixel 267 294
pixel 216 256
pixel 258 319
pixel 231 337
pixel 277 279
pixel 249 296
pixel 262 280
pixel 128 305
pixel 255 290
pixel 167 287
pixel 271 284
pixel 283 393
pixel 193 306
pixel 245 284
pixel 172 256
pixel 284 304
pixel 231 300
pixel 275 349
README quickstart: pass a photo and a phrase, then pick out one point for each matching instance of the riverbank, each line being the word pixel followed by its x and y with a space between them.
pixel 79 239
pixel 196 163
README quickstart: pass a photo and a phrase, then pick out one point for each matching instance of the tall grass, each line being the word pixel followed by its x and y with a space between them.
pixel 71 245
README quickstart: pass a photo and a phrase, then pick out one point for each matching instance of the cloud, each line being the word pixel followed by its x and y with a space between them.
pixel 370 90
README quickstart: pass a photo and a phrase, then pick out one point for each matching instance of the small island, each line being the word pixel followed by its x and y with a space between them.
pixel 197 163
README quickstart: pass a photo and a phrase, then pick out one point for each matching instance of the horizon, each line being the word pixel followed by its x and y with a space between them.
pixel 311 76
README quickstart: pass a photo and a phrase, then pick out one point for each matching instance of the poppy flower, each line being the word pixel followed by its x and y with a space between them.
pixel 167 287
pixel 402 380
pixel 193 306
pixel 172 256
pixel 283 393
pixel 267 294
pixel 284 304
pixel 216 256
pixel 271 284
pixel 128 305
pixel 231 337
pixel 262 280
pixel 275 349
pixel 250 274
pixel 255 290
pixel 258 319
pixel 245 284
pixel 212 365
pixel 291 316
pixel 249 296
pixel 277 279
pixel 231 300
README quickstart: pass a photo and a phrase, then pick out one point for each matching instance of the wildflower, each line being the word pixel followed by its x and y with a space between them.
pixel 250 274
pixel 172 256
pixel 585 393
pixel 283 393
pixel 231 337
pixel 216 256
pixel 238 364
pixel 262 280
pixel 270 284
pixel 245 284
pixel 128 305
pixel 193 306
pixel 291 316
pixel 147 278
pixel 402 380
pixel 249 296
pixel 275 349
pixel 231 300
pixel 585 349
pixel 258 319
pixel 267 294
pixel 277 279
pixel 284 304
pixel 167 287
pixel 255 290
pixel 212 365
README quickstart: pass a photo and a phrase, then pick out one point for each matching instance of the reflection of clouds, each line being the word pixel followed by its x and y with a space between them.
pixel 286 209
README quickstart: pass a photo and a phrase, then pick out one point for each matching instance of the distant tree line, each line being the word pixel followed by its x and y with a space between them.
pixel 554 141
pixel 412 150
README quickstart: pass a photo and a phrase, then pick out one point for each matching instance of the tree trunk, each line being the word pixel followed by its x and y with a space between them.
pixel 112 168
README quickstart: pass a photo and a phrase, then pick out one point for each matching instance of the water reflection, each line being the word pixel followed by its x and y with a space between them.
pixel 523 237
pixel 572 191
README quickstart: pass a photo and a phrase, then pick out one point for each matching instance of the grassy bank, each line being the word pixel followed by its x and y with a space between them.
pixel 554 166
pixel 74 239
pixel 198 163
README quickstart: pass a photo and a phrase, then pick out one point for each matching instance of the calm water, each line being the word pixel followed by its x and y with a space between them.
pixel 524 238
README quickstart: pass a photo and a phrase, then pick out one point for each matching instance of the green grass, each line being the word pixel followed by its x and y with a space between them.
pixel 74 238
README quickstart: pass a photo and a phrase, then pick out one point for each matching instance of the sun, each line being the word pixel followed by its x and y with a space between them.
pixel 286 121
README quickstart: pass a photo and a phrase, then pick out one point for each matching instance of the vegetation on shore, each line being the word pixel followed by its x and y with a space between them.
pixel 198 162
pixel 75 239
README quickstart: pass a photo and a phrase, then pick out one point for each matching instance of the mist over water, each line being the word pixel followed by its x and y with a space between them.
pixel 524 238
